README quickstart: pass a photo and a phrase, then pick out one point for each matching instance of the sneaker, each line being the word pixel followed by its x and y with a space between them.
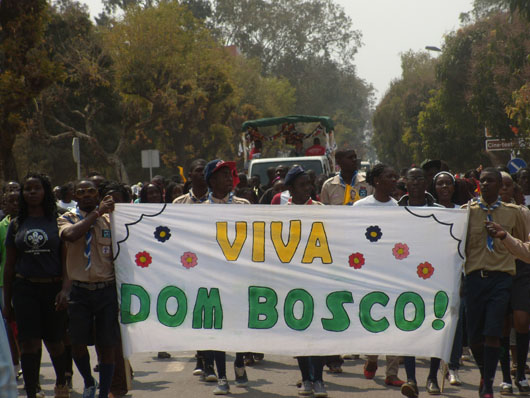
pixel 410 389
pixel 319 390
pixel 506 389
pixel 523 387
pixel 454 378
pixel 61 391
pixel 222 387
pixel 432 387
pixel 198 372
pixel 39 393
pixel 369 369
pixel 306 388
pixel 90 392
pixel 466 354
pixel 241 376
pixel 394 381
pixel 209 374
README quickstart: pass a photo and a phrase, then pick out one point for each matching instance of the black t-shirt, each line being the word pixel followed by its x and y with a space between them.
pixel 38 247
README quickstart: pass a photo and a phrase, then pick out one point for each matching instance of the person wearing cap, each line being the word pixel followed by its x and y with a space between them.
pixel 348 186
pixel 221 178
pixel 298 182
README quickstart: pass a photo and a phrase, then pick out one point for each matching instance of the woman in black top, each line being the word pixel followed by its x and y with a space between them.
pixel 32 280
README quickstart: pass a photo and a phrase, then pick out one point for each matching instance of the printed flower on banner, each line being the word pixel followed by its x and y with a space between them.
pixel 188 260
pixel 162 233
pixel 143 259
pixel 373 233
pixel 356 260
pixel 425 270
pixel 400 251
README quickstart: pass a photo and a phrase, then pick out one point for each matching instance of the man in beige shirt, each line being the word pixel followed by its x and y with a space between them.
pixel 198 192
pixel 348 186
pixel 489 268
pixel 92 296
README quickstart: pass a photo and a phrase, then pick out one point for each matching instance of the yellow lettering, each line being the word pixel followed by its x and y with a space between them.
pixel 284 251
pixel 231 251
pixel 258 247
pixel 317 245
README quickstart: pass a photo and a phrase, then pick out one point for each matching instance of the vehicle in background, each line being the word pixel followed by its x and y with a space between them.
pixel 319 164
pixel 364 167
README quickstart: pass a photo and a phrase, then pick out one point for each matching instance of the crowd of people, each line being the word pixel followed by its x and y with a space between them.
pixel 58 283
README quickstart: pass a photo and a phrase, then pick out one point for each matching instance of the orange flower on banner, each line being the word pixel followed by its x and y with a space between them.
pixel 143 259
pixel 188 260
pixel 356 260
pixel 425 270
pixel 400 251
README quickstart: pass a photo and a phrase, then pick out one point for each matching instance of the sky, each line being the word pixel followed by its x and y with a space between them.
pixel 389 28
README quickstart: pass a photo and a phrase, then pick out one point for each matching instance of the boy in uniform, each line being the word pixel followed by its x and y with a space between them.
pixel 90 286
pixel 489 269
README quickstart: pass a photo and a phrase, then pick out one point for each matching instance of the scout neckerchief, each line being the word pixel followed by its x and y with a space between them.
pixel 348 199
pixel 196 199
pixel 484 206
pixel 230 197
pixel 88 237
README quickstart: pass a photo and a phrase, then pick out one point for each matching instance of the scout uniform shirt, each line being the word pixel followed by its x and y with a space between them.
pixel 334 191
pixel 190 198
pixel 230 198
pixel 478 256
pixel 102 267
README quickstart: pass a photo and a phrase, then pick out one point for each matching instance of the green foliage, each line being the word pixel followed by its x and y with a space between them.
pixel 26 69
pixel 481 68
pixel 396 135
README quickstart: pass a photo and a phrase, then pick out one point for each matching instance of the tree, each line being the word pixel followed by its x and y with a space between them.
pixel 26 69
pixel 480 71
pixel 396 135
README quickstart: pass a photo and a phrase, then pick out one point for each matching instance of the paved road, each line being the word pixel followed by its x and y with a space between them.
pixel 274 377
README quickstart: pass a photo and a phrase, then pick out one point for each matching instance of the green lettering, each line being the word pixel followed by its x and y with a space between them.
pixel 340 320
pixel 399 311
pixel 365 312
pixel 127 291
pixel 207 306
pixel 262 303
pixel 308 309
pixel 164 316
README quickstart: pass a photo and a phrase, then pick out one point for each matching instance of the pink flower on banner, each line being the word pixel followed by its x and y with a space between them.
pixel 143 259
pixel 356 260
pixel 425 270
pixel 188 260
pixel 400 251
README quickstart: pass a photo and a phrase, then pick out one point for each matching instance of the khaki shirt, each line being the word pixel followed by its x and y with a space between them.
pixel 190 198
pixel 516 247
pixel 235 200
pixel 478 257
pixel 333 191
pixel 102 267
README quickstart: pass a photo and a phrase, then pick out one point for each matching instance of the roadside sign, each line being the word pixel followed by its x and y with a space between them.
pixel 150 160
pixel 515 165
pixel 506 145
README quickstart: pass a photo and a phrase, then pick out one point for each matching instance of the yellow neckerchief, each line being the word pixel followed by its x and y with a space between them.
pixel 350 195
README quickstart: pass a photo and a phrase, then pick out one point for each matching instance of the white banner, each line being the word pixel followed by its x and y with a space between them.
pixel 291 280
